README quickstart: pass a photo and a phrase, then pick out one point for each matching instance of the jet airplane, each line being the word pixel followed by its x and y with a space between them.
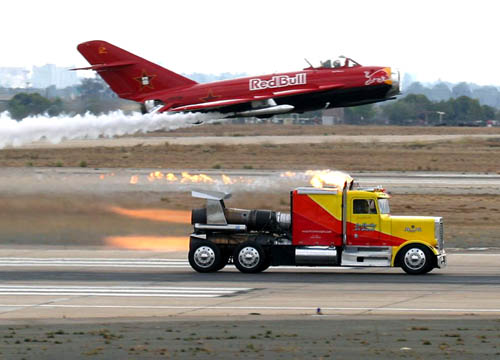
pixel 335 83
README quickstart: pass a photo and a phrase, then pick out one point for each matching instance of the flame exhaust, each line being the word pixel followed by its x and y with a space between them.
pixel 322 178
pixel 187 178
pixel 316 178
pixel 163 215
pixel 150 243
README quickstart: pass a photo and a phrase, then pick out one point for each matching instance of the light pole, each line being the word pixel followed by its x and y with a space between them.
pixel 441 114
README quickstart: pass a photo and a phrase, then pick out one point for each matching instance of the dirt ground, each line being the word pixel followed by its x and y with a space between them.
pixel 466 154
pixel 288 130
pixel 253 338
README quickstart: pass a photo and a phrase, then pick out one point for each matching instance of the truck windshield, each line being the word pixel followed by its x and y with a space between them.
pixel 383 205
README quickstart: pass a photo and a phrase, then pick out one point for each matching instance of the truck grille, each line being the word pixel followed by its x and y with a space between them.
pixel 439 228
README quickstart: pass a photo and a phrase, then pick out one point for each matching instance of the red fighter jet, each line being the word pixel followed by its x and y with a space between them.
pixel 338 83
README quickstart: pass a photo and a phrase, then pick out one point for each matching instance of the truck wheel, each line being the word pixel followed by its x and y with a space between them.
pixel 223 262
pixel 416 259
pixel 205 257
pixel 249 257
pixel 266 263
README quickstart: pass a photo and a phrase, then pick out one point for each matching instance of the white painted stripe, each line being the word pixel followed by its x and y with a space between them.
pixel 97 265
pixel 309 268
pixel 93 259
pixel 118 289
pixel 104 291
pixel 89 260
pixel 460 254
pixel 123 264
pixel 378 309
pixel 177 265
pixel 10 290
pixel 108 294
pixel 122 287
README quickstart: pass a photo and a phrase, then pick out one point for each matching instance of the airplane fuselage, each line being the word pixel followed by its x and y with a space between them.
pixel 161 90
pixel 309 89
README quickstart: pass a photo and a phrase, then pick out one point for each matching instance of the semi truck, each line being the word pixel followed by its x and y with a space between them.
pixel 341 227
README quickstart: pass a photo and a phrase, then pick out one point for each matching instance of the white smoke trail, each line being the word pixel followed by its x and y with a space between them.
pixel 56 129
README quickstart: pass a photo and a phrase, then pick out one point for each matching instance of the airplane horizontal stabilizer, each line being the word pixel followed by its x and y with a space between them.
pixel 108 66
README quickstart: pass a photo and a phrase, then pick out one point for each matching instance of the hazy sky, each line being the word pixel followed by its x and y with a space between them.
pixel 439 39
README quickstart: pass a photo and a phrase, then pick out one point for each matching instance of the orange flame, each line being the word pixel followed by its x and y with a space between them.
pixel 157 175
pixel 321 178
pixel 134 179
pixel 200 178
pixel 288 174
pixel 171 177
pixel 227 180
pixel 187 178
pixel 166 215
pixel 103 176
pixel 152 243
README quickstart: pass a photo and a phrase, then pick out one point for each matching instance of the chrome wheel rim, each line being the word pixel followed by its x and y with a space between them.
pixel 415 259
pixel 249 257
pixel 204 256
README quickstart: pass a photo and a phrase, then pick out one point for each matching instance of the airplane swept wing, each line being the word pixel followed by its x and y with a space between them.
pixel 259 104
pixel 211 105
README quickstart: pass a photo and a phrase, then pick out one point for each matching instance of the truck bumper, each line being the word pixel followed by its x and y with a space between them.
pixel 442 260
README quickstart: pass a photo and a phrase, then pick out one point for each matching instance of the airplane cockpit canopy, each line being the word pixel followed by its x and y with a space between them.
pixel 340 62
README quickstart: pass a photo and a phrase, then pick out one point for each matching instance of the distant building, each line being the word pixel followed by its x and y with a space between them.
pixel 51 75
pixel 14 77
pixel 332 116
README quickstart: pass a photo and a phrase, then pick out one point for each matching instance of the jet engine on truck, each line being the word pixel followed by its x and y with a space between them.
pixel 325 227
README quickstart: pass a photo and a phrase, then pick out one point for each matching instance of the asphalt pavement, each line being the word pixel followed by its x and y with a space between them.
pixel 44 283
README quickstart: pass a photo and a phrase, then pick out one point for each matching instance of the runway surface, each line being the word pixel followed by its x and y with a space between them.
pixel 112 181
pixel 83 284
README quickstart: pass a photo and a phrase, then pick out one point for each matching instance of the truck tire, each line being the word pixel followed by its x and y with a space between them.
pixel 416 259
pixel 224 261
pixel 249 257
pixel 205 257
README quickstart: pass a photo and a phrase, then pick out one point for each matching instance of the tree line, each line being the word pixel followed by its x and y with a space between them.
pixel 414 109
pixel 417 109
pixel 487 95
pixel 93 95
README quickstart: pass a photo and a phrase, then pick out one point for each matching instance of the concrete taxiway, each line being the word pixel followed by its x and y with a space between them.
pixel 83 284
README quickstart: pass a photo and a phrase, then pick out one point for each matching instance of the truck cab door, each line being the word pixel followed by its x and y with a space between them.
pixel 363 227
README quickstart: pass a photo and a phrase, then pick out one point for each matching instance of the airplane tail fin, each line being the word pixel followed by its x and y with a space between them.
pixel 129 76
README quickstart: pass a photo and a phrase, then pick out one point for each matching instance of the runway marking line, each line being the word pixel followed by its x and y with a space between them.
pixel 202 292
pixel 124 263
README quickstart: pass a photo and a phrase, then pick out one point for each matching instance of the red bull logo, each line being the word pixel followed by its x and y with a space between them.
pixel 378 77
pixel 278 81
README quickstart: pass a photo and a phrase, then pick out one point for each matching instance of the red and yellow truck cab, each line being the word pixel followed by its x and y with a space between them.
pixel 325 227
